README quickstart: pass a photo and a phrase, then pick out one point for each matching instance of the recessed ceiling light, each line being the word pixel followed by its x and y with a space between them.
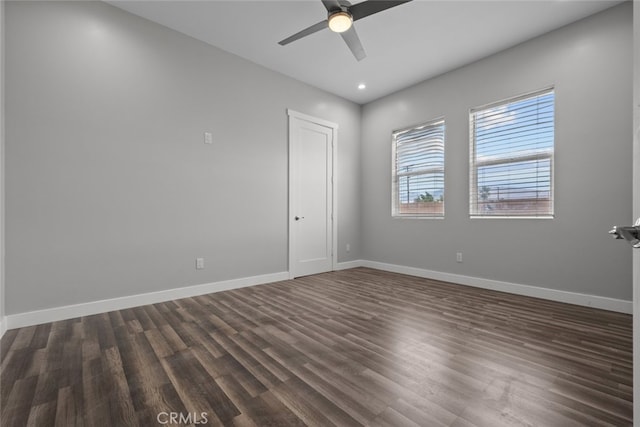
pixel 362 86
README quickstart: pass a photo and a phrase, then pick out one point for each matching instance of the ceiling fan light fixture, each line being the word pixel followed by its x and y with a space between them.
pixel 339 22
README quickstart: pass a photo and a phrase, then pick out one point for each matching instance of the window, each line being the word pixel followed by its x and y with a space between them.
pixel 512 145
pixel 418 171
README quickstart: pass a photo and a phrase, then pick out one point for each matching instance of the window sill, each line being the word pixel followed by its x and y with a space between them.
pixel 415 217
pixel 510 217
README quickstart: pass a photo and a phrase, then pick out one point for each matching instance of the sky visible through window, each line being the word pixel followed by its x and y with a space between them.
pixel 514 147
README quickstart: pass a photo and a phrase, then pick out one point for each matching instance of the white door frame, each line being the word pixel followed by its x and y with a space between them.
pixel 334 202
pixel 636 212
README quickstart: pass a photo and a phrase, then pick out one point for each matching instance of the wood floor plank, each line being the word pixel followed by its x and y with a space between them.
pixel 67 412
pixel 24 337
pixel 432 415
pixel 15 412
pixel 47 387
pixel 6 343
pixel 17 364
pixel 290 395
pixel 121 410
pixel 347 348
pixel 43 415
pixel 96 397
pixel 197 390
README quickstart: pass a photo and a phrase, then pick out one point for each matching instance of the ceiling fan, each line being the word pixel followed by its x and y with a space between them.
pixel 341 16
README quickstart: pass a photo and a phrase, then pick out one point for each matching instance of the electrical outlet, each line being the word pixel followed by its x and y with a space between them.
pixel 348 248
pixel 199 263
pixel 459 256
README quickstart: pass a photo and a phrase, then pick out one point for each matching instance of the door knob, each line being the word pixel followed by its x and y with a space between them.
pixel 298 218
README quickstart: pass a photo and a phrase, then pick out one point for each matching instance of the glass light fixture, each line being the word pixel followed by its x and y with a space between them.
pixel 340 22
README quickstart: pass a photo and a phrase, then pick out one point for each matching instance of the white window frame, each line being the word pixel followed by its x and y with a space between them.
pixel 474 165
pixel 395 192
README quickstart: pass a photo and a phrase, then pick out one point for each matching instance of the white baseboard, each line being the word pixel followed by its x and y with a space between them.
pixel 611 304
pixel 349 264
pixel 95 307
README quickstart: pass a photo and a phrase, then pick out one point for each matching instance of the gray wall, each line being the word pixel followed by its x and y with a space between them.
pixel 590 64
pixel 110 190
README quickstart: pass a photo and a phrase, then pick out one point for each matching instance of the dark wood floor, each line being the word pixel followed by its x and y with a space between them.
pixel 356 347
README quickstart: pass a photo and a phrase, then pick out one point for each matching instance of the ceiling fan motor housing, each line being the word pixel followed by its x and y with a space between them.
pixel 340 21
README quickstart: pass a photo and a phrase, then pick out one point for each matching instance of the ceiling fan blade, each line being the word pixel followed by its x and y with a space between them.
pixel 331 5
pixel 366 8
pixel 352 40
pixel 300 34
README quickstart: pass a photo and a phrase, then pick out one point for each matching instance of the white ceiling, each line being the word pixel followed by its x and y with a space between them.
pixel 405 45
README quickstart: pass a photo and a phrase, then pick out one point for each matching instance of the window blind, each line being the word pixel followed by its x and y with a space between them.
pixel 512 148
pixel 418 170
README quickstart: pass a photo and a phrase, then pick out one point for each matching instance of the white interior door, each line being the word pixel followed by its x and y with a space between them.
pixel 311 195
